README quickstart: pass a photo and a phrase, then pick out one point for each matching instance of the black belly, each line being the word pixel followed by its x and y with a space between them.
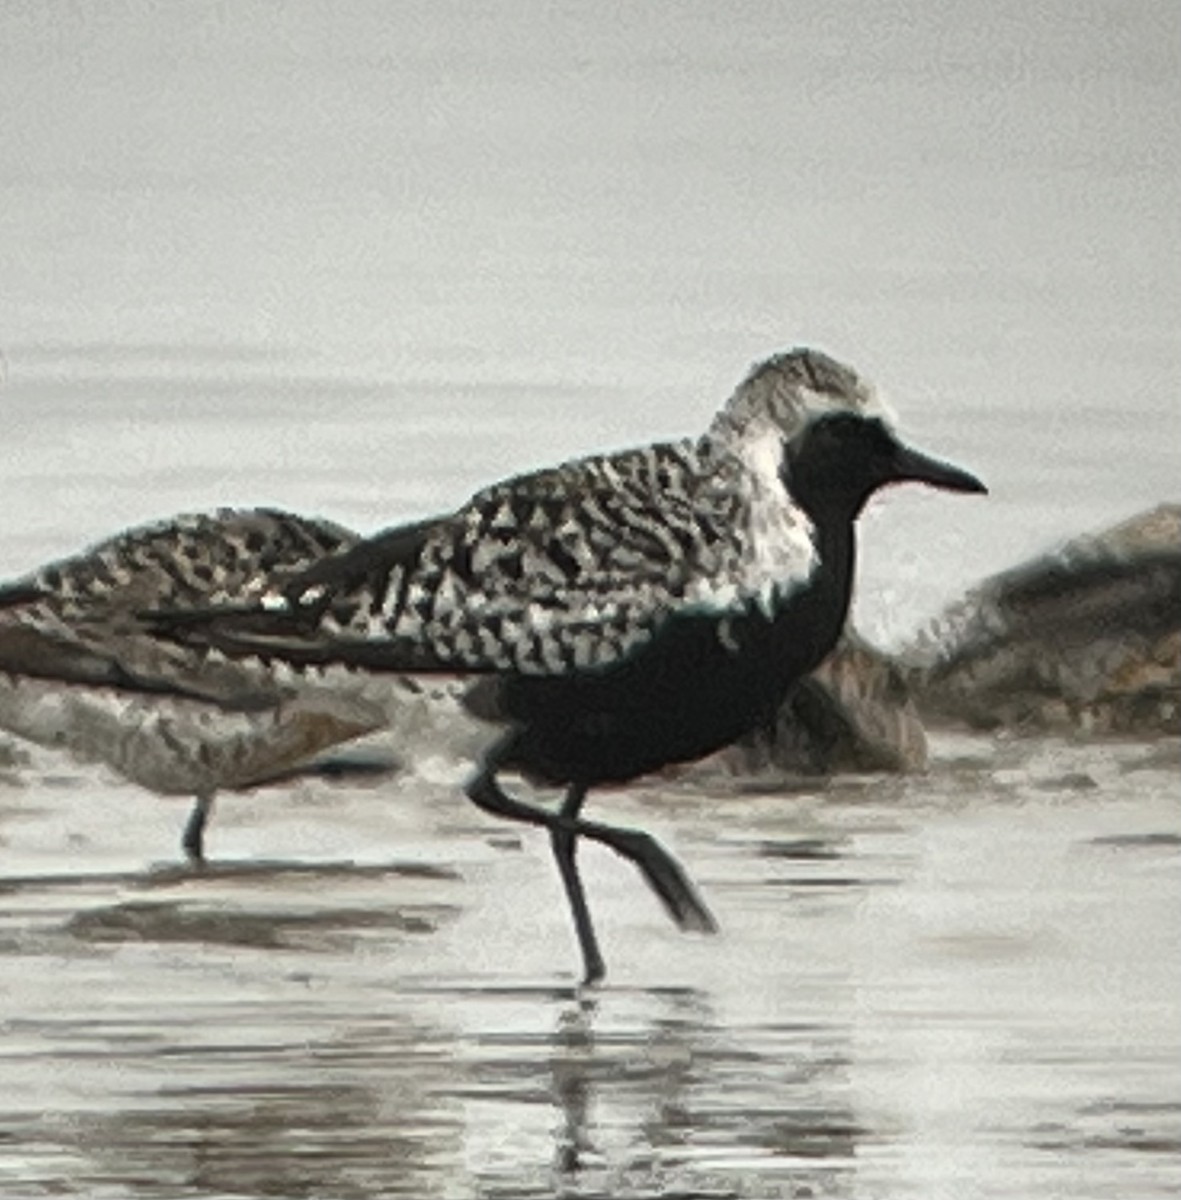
pixel 695 688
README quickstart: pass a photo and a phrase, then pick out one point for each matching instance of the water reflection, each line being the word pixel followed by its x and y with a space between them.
pixel 353 1115
pixel 1115 1127
pixel 967 989
pixel 648 1093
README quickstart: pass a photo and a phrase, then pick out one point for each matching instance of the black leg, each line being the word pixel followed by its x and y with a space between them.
pixel 662 872
pixel 193 839
pixel 565 846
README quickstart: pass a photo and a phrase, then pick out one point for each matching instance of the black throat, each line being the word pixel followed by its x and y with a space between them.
pixel 808 623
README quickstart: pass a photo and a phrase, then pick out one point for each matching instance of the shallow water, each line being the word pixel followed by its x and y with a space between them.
pixel 358 263
pixel 965 984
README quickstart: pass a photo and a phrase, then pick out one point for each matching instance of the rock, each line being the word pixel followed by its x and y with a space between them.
pixel 1087 639
pixel 853 714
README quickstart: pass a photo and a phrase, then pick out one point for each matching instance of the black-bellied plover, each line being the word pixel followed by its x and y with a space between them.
pixel 619 612
pixel 80 670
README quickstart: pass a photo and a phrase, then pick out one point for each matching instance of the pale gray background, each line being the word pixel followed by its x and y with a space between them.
pixel 361 258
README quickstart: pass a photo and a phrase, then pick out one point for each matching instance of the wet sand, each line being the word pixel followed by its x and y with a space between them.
pixel 964 985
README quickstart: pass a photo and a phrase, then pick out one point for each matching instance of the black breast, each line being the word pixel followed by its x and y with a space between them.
pixel 703 682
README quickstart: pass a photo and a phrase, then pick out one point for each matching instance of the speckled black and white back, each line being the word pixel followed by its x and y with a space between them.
pixel 78 619
pixel 574 567
pixel 81 671
pixel 224 556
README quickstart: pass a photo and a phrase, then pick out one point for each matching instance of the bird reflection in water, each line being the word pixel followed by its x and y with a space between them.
pixel 671 1105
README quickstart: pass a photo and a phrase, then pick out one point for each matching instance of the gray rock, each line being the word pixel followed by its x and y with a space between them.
pixel 1086 639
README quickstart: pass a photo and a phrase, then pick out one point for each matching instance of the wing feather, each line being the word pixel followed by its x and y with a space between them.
pixel 78 620
pixel 570 568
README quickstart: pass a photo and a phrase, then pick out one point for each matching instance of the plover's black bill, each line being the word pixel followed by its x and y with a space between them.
pixel 910 464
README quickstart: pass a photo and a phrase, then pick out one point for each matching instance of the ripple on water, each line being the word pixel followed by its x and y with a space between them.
pixel 959 981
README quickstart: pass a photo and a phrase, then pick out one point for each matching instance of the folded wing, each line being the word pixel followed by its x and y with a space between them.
pixel 561 570
pixel 78 620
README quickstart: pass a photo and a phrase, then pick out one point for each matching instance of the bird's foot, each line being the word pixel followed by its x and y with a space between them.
pixel 665 876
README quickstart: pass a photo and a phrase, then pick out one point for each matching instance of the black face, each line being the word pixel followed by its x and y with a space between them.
pixel 840 460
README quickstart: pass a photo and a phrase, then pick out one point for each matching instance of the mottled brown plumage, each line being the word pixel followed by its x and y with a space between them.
pixel 80 669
